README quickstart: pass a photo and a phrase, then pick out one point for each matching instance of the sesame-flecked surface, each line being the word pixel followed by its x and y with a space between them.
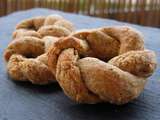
pixel 24 101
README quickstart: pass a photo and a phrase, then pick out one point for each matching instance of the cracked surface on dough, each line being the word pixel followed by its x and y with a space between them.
pixel 106 64
pixel 26 54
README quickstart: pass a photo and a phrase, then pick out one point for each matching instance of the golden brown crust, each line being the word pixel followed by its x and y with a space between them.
pixel 73 85
pixel 26 55
pixel 90 80
pixel 32 23
pixel 24 32
pixel 108 82
pixel 64 43
pixel 49 41
pixel 52 30
pixel 139 63
pixel 14 66
pixel 27 46
pixel 52 25
pixel 23 69
pixel 35 68
pixel 129 38
pixel 66 24
pixel 51 19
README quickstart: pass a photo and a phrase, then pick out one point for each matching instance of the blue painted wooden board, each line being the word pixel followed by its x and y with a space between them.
pixel 23 101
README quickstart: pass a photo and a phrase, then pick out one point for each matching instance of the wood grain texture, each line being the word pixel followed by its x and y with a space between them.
pixel 133 11
pixel 23 101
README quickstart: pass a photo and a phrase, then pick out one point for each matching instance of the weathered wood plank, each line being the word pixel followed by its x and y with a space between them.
pixel 134 11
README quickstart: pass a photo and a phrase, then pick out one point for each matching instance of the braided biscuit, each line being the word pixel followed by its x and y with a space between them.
pixel 24 32
pixel 52 25
pixel 26 55
pixel 102 65
pixel 27 59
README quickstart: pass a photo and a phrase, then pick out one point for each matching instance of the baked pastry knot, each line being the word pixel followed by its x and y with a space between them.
pixel 26 54
pixel 102 65
pixel 52 25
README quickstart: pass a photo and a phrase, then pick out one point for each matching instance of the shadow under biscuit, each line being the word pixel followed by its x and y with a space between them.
pixel 50 88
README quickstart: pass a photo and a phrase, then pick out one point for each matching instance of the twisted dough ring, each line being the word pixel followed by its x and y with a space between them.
pixel 26 54
pixel 76 61
pixel 27 60
pixel 52 25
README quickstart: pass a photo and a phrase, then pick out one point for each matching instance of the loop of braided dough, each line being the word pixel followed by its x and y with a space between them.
pixel 52 25
pixel 27 59
pixel 26 54
pixel 102 65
